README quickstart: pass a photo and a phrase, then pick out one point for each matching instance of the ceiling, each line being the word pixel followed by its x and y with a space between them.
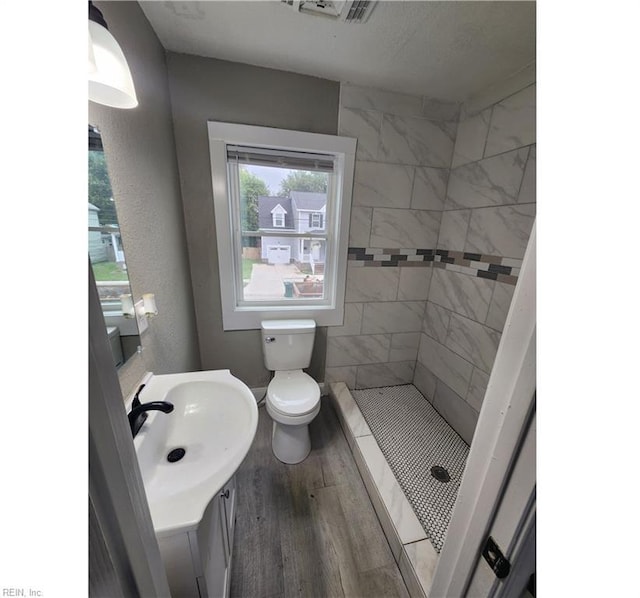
pixel 447 50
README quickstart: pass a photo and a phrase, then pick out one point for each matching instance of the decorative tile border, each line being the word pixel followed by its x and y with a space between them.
pixel 492 267
pixel 375 256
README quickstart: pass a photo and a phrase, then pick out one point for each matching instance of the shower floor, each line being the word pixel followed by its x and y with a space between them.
pixel 413 438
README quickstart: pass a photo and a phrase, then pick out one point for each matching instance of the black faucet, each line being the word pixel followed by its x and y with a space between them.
pixel 138 413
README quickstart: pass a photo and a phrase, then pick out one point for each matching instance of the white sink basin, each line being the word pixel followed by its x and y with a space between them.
pixel 214 420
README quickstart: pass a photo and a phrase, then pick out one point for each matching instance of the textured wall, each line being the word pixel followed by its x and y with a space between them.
pixel 141 158
pixel 488 214
pixel 405 146
pixel 204 89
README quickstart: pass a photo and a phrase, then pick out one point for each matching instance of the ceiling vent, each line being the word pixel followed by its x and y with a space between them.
pixel 349 11
pixel 358 11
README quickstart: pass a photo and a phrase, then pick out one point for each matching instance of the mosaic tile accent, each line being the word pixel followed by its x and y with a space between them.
pixel 492 267
pixel 413 438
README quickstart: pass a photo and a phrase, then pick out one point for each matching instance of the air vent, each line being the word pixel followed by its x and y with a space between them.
pixel 351 11
pixel 325 8
pixel 358 11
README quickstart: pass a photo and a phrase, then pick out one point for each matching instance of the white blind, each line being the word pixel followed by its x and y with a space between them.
pixel 280 158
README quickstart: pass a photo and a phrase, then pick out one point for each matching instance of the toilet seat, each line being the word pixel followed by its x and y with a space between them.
pixel 293 394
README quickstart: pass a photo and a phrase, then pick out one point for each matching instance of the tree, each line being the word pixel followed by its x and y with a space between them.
pixel 251 186
pixel 100 193
pixel 303 180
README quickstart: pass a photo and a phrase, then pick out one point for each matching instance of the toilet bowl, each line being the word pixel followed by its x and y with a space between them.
pixel 293 400
pixel 293 397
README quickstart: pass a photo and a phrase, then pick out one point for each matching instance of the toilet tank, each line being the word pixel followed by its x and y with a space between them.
pixel 287 344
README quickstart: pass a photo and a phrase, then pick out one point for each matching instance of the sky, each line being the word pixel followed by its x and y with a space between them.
pixel 271 176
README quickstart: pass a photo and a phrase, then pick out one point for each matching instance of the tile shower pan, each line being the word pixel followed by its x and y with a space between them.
pixel 411 462
pixel 425 454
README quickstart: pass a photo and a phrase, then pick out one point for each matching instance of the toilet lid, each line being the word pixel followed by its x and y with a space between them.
pixel 293 393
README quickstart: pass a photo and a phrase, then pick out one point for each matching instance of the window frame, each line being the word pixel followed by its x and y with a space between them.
pixel 318 216
pixel 235 314
pixel 278 217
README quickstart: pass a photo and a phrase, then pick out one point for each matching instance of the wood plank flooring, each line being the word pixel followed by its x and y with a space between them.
pixel 308 529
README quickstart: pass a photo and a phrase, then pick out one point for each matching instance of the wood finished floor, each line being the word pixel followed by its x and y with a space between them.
pixel 308 529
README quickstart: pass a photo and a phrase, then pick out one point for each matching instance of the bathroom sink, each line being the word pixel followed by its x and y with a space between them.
pixel 186 456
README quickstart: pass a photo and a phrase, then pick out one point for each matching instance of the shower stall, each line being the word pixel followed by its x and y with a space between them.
pixel 444 205
pixel 414 463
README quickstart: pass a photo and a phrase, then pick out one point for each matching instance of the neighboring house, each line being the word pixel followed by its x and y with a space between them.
pixel 302 212
pixel 103 246
pixel 97 247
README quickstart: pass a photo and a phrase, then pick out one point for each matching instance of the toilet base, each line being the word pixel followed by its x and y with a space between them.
pixel 290 444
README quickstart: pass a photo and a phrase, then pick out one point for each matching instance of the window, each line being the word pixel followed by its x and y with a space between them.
pixel 282 201
pixel 278 216
pixel 315 220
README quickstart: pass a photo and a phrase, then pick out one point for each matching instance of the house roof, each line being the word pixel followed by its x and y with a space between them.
pixel 299 200
pixel 307 200
pixel 266 204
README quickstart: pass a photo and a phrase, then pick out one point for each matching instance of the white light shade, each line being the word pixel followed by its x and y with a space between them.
pixel 150 308
pixel 111 83
pixel 92 59
pixel 127 306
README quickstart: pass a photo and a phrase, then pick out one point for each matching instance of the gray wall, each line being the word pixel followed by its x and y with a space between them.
pixel 205 89
pixel 141 159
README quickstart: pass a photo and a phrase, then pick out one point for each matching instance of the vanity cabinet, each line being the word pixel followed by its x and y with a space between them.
pixel 198 562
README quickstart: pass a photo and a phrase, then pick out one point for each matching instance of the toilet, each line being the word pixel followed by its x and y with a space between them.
pixel 293 397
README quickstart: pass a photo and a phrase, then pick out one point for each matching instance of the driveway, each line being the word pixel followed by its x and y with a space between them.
pixel 267 281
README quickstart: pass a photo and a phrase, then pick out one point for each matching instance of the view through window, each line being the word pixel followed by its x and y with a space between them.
pixel 105 244
pixel 283 241
pixel 282 202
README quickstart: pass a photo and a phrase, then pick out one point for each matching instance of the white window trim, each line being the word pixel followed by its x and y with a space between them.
pixel 278 212
pixel 238 317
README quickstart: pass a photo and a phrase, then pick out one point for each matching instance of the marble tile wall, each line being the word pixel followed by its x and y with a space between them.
pixel 403 157
pixel 441 217
pixel 488 212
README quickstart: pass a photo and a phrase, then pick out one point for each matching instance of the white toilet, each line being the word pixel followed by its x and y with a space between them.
pixel 293 397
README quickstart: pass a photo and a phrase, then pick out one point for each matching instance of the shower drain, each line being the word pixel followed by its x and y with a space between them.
pixel 440 473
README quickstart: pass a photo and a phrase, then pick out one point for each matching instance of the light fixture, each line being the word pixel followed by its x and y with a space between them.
pixel 127 306
pixel 144 307
pixel 149 304
pixel 110 83
pixel 92 59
